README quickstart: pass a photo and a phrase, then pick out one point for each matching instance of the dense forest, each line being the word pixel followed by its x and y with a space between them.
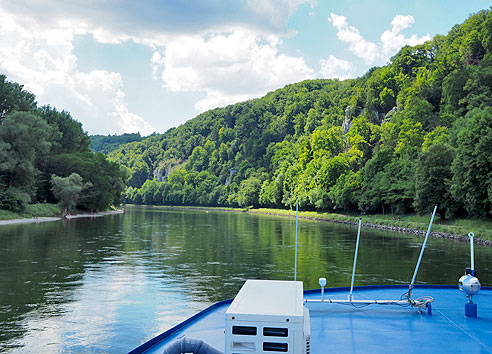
pixel 403 137
pixel 45 158
pixel 108 143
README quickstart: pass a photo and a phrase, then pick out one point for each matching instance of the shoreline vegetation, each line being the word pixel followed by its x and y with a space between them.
pixel 37 213
pixel 455 229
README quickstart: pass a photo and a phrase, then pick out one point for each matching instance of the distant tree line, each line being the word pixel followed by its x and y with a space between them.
pixel 108 143
pixel 40 147
pixel 402 138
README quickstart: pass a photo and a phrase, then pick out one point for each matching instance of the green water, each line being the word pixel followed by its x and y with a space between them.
pixel 104 285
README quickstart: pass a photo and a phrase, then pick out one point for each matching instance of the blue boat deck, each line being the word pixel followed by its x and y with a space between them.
pixel 343 328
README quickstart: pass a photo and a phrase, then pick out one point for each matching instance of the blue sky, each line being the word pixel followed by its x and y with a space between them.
pixel 125 66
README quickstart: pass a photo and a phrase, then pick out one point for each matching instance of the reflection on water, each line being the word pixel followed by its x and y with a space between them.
pixel 105 285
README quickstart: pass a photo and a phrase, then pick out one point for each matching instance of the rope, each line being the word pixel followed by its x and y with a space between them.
pixel 422 301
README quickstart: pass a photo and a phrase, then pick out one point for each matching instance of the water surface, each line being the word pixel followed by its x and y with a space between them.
pixel 105 285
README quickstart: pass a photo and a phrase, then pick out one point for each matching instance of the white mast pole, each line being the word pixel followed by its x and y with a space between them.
pixel 351 297
pixel 472 256
pixel 297 217
pixel 410 287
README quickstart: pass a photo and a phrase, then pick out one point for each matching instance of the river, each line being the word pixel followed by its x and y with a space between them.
pixel 104 285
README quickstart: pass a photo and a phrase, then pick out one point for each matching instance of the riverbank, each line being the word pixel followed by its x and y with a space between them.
pixel 456 229
pixel 39 219
pixel 39 210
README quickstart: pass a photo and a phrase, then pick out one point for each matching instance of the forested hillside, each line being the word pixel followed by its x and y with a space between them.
pixel 45 157
pixel 403 137
pixel 108 143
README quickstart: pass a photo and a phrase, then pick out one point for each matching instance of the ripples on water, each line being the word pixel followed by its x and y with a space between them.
pixel 105 285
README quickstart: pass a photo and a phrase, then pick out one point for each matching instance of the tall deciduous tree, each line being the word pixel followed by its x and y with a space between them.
pixel 106 177
pixel 472 168
pixel 71 137
pixel 67 190
pixel 13 97
pixel 24 138
pixel 433 178
pixel 248 192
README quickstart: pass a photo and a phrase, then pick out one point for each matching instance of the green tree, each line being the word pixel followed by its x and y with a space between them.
pixel 106 177
pixel 472 167
pixel 150 192
pixel 71 137
pixel 108 143
pixel 327 142
pixel 271 191
pixel 440 135
pixel 375 180
pixel 399 183
pixel 432 180
pixel 67 190
pixel 387 98
pixel 199 159
pixel 13 97
pixel 249 192
pixel 140 173
pixel 24 138
pixel 346 191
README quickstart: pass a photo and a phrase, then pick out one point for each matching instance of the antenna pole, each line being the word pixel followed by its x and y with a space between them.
pixel 410 287
pixel 351 297
pixel 295 261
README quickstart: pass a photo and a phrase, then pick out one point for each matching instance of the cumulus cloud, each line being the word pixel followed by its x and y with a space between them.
pixel 227 53
pixel 277 12
pixel 100 103
pixel 390 40
pixel 219 99
pixel 357 44
pixel 112 21
pixel 334 68
pixel 228 67
pixel 42 60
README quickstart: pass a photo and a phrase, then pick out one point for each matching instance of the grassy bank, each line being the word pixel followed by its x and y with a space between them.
pixel 460 227
pixel 34 210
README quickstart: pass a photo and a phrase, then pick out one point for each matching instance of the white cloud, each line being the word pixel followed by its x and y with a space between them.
pixel 228 60
pixel 400 22
pixel 277 12
pixel 157 62
pixel 228 67
pixel 218 99
pixel 390 40
pixel 42 60
pixel 357 44
pixel 114 21
pixel 101 104
pixel 334 68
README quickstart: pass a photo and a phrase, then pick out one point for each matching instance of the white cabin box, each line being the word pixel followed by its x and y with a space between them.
pixel 268 316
